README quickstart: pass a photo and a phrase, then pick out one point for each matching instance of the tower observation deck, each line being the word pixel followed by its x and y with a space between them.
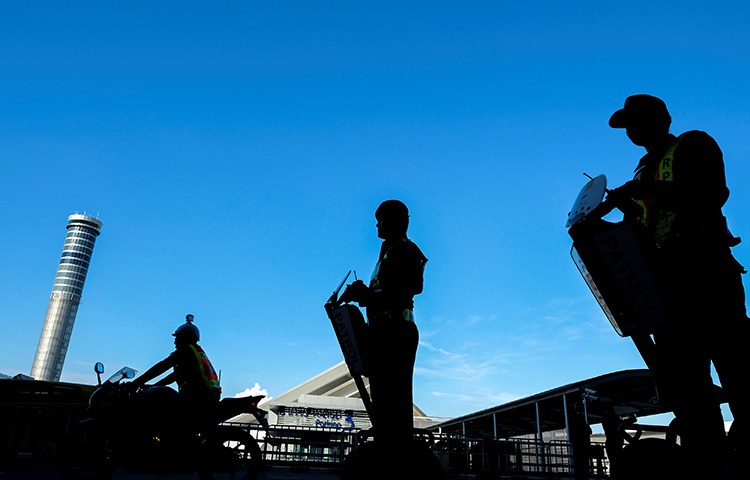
pixel 65 297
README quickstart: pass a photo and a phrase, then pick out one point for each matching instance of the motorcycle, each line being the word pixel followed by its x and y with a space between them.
pixel 133 430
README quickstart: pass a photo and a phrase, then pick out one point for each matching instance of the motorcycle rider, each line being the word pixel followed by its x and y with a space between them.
pixel 199 392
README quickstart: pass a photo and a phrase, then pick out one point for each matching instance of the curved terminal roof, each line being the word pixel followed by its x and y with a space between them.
pixel 626 392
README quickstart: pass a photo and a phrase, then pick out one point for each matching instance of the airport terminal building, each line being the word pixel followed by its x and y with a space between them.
pixel 330 399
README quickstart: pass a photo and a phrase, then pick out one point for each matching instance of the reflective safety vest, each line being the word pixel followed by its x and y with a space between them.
pixel 208 373
pixel 657 219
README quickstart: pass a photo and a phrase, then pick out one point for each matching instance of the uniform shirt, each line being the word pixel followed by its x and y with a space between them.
pixel 398 275
pixel 696 194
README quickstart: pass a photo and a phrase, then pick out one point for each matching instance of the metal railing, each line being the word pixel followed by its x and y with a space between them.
pixel 34 430
pixel 328 447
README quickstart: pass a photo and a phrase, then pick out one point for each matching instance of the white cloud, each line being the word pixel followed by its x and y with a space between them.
pixel 441 363
pixel 252 391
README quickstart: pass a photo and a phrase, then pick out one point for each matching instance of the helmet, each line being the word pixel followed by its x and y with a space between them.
pixel 187 331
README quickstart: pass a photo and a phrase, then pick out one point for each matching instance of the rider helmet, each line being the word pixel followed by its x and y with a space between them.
pixel 187 331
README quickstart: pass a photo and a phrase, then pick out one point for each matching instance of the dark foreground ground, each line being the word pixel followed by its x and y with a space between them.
pixel 20 472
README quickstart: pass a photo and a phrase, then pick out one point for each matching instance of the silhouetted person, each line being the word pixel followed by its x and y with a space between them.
pixel 613 425
pixel 392 333
pixel 579 431
pixel 199 392
pixel 676 199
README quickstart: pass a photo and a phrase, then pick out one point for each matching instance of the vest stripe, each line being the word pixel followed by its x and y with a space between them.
pixel 657 219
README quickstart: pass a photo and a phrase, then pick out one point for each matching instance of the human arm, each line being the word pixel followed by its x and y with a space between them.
pixel 169 379
pixel 697 193
pixel 622 198
pixel 156 370
pixel 699 179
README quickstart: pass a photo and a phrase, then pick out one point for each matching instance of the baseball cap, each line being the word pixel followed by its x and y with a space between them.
pixel 639 109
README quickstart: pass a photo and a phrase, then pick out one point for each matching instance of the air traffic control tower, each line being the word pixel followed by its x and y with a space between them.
pixel 65 298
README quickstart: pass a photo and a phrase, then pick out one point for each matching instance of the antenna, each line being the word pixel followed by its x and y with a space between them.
pixel 335 293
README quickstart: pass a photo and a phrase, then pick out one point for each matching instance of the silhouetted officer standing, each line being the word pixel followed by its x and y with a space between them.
pixel 676 198
pixel 392 334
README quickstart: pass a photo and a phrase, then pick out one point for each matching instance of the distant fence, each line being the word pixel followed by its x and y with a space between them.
pixel 328 447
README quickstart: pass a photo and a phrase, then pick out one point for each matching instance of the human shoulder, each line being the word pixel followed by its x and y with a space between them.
pixel 696 137
pixel 698 142
pixel 182 351
pixel 407 247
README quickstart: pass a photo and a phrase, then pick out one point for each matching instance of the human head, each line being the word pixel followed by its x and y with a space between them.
pixel 187 332
pixel 645 119
pixel 392 219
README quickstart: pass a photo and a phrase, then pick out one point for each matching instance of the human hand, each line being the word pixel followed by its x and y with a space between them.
pixel 632 189
pixel 600 210
pixel 357 291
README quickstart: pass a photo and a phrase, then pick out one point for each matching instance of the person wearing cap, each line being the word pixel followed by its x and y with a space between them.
pixel 676 199
pixel 392 334
pixel 198 386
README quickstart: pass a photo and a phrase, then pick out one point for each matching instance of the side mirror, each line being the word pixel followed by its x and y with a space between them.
pixel 99 369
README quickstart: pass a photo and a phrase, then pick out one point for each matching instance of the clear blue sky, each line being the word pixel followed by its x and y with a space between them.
pixel 236 153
